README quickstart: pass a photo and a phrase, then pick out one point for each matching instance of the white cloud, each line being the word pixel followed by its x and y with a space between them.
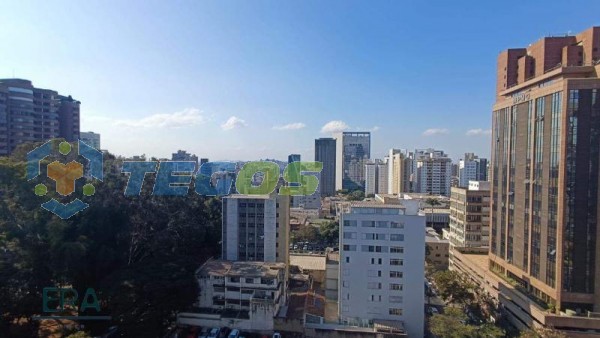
pixel 184 118
pixel 291 126
pixel 334 127
pixel 435 131
pixel 479 132
pixel 376 128
pixel 233 122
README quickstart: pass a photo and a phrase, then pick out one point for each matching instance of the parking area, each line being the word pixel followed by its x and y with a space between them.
pixel 223 332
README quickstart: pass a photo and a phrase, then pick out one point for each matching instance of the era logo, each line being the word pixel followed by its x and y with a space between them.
pixel 67 298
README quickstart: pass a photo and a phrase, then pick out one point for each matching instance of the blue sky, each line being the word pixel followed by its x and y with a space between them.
pixel 255 79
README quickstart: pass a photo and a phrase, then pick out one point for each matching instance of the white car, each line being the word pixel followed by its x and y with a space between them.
pixel 276 335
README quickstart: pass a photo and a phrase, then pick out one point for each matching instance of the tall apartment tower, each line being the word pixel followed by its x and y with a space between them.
pixel 470 215
pixel 545 170
pixel 471 168
pixel 376 177
pixel 399 171
pixel 353 150
pixel 433 172
pixel 90 138
pixel 256 228
pixel 382 255
pixel 325 153
pixel 29 114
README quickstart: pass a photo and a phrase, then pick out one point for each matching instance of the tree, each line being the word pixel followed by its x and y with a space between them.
pixel 356 195
pixel 79 334
pixel 306 233
pixel 432 202
pixel 454 288
pixel 453 324
pixel 330 232
pixel 544 332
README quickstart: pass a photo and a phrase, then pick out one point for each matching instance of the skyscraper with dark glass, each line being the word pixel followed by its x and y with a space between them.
pixel 545 170
pixel 325 153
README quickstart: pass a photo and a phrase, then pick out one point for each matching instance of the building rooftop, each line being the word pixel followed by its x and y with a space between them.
pixel 375 204
pixel 245 269
pixel 238 196
pixel 309 262
pixel 435 210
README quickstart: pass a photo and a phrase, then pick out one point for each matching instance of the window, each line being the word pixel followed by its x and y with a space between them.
pixel 395 299
pixel 395 261
pixel 397 237
pixel 249 280
pixel 348 247
pixel 234 279
pixel 397 287
pixel 350 223
pixel 382 224
pixel 347 259
pixel 397 249
pixel 395 312
pixel 346 284
pixel 396 274
pixel 374 286
pixel 368 224
pixel 349 235
pixel 397 225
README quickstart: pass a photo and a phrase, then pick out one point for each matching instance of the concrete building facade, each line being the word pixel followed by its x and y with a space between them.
pixel 470 215
pixel 30 114
pixel 386 238
pixel 353 151
pixel 433 172
pixel 90 138
pixel 399 172
pixel 471 168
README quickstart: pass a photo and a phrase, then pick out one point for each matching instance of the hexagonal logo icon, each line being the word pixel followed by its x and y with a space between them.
pixel 65 175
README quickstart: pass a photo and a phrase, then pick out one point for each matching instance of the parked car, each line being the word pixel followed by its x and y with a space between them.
pixel 434 311
pixel 214 333
pixel 235 333
pixel 276 335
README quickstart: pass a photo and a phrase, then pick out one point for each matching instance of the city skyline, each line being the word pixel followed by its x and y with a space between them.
pixel 210 91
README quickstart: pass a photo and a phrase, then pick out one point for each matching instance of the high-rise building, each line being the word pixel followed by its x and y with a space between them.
pixel 325 153
pixel 399 171
pixel 353 150
pixel 470 215
pixel 376 177
pixel 545 176
pixel 182 155
pixel 256 228
pixel 433 172
pixel 203 160
pixel 29 114
pixel 90 138
pixel 293 158
pixel 385 237
pixel 471 168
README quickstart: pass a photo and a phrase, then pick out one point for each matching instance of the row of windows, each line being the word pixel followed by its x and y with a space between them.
pixel 374 224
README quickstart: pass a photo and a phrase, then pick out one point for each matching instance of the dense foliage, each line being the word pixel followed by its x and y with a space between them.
pixel 138 253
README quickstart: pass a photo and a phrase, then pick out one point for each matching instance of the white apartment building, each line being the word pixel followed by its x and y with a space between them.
pixel 244 295
pixel 90 138
pixel 376 177
pixel 382 258
pixel 471 168
pixel 433 171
